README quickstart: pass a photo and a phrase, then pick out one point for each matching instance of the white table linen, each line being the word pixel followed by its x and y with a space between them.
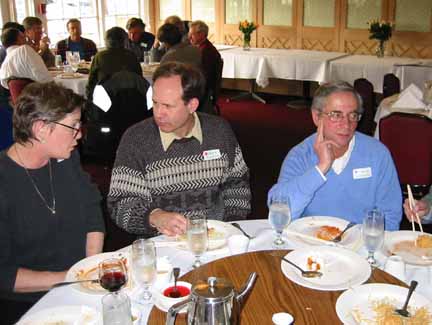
pixel 414 74
pixel 261 64
pixel 353 67
pixel 184 259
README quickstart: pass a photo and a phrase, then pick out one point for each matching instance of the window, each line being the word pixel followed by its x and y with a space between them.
pixel 60 11
pixel 21 10
pixel 118 12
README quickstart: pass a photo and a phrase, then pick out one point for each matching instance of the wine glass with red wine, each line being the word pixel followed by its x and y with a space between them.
pixel 112 274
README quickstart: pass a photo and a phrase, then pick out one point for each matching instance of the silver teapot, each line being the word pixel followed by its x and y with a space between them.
pixel 213 302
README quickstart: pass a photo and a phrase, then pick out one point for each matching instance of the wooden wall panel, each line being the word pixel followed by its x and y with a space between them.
pixel 339 38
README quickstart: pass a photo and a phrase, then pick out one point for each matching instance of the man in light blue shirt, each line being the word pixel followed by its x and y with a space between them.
pixel 422 207
pixel 338 171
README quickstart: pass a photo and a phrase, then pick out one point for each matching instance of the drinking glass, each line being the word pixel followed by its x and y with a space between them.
pixel 373 233
pixel 427 95
pixel 116 309
pixel 279 218
pixel 144 267
pixel 112 274
pixel 197 238
pixel 74 61
pixel 146 57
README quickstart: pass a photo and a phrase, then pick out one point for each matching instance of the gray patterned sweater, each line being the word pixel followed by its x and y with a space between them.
pixel 145 177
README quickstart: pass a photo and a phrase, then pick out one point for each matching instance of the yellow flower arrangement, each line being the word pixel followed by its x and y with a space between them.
pixel 247 28
pixel 380 30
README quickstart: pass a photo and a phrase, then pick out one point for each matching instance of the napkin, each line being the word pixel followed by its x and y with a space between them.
pixel 411 97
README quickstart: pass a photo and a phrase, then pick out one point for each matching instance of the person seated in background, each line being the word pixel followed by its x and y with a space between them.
pixel 338 171
pixel 139 41
pixel 75 43
pixel 21 60
pixel 178 163
pixel 35 38
pixel 9 24
pixel 50 214
pixel 159 48
pixel 422 208
pixel 211 61
pixel 114 59
pixel 177 51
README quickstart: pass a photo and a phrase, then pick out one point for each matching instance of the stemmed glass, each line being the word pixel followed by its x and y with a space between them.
pixel 279 218
pixel 427 95
pixel 112 274
pixel 74 61
pixel 144 267
pixel 373 233
pixel 197 238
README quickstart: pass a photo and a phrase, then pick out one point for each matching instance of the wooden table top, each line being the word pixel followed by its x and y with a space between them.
pixel 273 292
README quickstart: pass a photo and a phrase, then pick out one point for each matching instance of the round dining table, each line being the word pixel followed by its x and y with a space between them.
pixel 272 292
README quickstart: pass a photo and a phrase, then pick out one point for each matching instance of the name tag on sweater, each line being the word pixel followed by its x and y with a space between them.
pixel 360 173
pixel 211 154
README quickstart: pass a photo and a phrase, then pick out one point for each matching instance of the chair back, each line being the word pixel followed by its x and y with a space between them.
pixel 16 85
pixel 409 139
pixel 365 89
pixel 127 92
pixel 391 85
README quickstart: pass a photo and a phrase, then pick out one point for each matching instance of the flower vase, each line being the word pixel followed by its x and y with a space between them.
pixel 246 42
pixel 380 49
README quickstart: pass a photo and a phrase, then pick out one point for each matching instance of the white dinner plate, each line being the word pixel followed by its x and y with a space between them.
pixel 65 315
pixel 409 253
pixel 74 75
pixel 358 300
pixel 89 266
pixel 164 270
pixel 309 226
pixel 341 268
pixel 222 230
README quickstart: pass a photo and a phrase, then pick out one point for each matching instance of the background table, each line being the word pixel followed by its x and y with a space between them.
pixel 261 64
pixel 352 67
pixel 273 292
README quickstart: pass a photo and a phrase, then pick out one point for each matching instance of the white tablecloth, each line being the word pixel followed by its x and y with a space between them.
pixel 261 64
pixel 184 259
pixel 414 74
pixel 78 85
pixel 353 67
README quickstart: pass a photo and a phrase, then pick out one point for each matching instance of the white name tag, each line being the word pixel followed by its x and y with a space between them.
pixel 211 154
pixel 360 173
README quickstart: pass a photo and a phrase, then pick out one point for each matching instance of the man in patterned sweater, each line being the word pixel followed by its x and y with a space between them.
pixel 178 163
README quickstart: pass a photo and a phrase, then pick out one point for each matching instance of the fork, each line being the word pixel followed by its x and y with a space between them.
pixel 338 238
pixel 235 224
pixel 404 311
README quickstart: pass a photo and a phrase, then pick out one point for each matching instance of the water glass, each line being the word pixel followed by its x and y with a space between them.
pixel 58 62
pixel 279 218
pixel 197 239
pixel 146 58
pixel 144 269
pixel 74 61
pixel 373 233
pixel 116 309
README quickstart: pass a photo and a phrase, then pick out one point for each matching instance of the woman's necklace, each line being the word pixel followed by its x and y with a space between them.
pixel 53 208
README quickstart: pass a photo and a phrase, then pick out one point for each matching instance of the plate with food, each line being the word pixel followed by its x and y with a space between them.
pixel 414 247
pixel 340 267
pixel 87 269
pixel 374 303
pixel 314 230
pixel 64 315
pixel 70 75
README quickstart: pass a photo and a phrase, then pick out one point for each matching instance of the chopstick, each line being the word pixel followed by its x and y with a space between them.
pixel 411 202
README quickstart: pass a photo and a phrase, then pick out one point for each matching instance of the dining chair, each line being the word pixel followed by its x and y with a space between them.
pixel 16 85
pixel 391 85
pixel 409 139
pixel 366 91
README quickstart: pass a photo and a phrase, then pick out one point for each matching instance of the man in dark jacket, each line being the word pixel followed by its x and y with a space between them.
pixel 76 43
pixel 139 41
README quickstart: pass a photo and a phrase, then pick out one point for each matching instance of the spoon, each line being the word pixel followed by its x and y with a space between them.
pixel 175 293
pixel 404 311
pixel 235 224
pixel 306 274
pixel 338 238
